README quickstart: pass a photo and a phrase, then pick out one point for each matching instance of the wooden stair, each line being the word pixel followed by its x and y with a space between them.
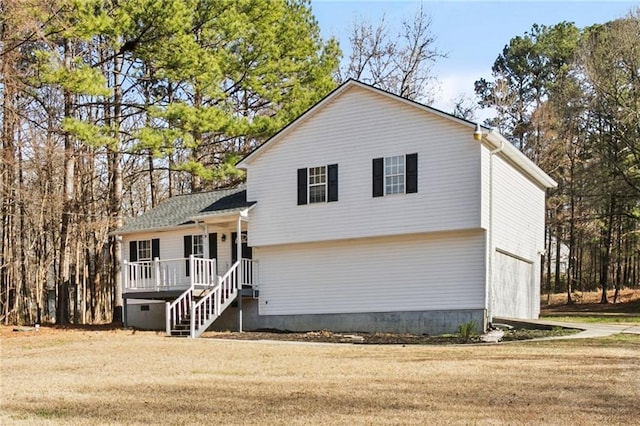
pixel 183 327
pixel 206 304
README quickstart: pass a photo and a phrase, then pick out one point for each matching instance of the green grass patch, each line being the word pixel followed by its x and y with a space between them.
pixel 596 319
pixel 526 334
pixel 615 341
pixel 49 413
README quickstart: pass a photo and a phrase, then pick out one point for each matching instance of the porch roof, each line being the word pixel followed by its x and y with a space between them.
pixel 185 209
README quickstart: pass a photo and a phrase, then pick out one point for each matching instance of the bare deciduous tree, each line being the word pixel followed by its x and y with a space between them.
pixel 401 63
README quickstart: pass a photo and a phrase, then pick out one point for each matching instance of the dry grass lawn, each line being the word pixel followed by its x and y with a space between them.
pixel 119 377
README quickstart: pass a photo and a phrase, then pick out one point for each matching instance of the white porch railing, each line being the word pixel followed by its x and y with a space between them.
pixel 171 274
pixel 203 271
pixel 249 273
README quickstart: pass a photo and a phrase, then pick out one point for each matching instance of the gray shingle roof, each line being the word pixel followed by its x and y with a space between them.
pixel 180 210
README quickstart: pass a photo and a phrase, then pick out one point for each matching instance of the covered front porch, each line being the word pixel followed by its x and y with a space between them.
pixel 196 253
pixel 215 270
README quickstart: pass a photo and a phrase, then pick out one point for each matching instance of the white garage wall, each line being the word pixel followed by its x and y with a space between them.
pixel 512 297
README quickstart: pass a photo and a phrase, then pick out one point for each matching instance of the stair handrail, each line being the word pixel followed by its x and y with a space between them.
pixel 210 307
pixel 178 309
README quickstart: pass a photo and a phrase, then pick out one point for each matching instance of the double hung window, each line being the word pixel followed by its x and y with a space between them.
pixel 317 184
pixel 144 250
pixel 394 175
pixel 197 246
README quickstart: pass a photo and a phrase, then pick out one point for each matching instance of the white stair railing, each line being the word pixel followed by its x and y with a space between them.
pixel 214 298
pixel 202 274
pixel 178 310
pixel 205 311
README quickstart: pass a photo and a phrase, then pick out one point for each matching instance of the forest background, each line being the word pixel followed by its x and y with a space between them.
pixel 109 107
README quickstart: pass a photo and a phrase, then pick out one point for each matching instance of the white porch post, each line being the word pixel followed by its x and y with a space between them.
pixel 156 271
pixel 125 275
pixel 192 324
pixel 192 271
pixel 167 310
pixel 239 271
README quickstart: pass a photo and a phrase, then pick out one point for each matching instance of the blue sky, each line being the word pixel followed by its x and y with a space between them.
pixel 472 33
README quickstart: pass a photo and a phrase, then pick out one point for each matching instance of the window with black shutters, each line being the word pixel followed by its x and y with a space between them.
pixel 395 175
pixel 318 184
pixel 144 250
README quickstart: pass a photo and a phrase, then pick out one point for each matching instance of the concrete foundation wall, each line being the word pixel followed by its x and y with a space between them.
pixel 414 322
pixel 146 315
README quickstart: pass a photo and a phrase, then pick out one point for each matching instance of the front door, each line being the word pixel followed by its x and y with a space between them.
pixel 247 252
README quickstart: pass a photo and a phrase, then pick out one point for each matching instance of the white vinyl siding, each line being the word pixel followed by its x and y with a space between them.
pixel 172 244
pixel 518 209
pixel 355 128
pixel 402 273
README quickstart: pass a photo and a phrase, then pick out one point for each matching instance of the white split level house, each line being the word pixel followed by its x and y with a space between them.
pixel 368 213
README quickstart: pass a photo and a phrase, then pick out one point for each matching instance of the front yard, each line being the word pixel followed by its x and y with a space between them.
pixel 119 376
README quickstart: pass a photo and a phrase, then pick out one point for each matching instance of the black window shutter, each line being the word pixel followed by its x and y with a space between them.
pixel 155 248
pixel 302 186
pixel 187 251
pixel 332 172
pixel 234 248
pixel 133 251
pixel 412 173
pixel 378 177
pixel 213 245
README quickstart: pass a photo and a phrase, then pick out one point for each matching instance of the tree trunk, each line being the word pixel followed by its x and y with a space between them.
pixel 62 311
pixel 7 194
pixel 548 260
pixel 115 192
pixel 605 250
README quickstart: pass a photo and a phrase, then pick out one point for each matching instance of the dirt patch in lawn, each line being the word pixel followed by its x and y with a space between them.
pixel 589 302
pixel 322 336
pixel 325 336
